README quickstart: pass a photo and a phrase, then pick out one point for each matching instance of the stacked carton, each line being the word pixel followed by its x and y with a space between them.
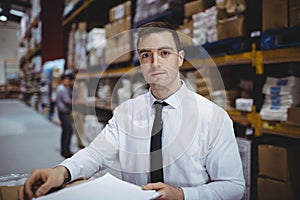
pixel 119 38
pixel 205 25
pixel 287 14
pixel 76 56
pixel 245 100
pixel 194 10
pixel 199 30
pixel 230 18
pixel 152 8
pixel 185 32
pixel 294 13
pixel 200 22
pixel 278 170
pixel 96 44
pixel 211 24
pixel 280 94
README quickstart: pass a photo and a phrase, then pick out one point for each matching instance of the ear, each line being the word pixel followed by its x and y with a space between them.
pixel 181 55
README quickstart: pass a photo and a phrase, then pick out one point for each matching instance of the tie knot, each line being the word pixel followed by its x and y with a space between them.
pixel 161 103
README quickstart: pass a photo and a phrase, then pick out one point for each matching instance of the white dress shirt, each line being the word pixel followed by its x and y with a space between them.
pixel 200 153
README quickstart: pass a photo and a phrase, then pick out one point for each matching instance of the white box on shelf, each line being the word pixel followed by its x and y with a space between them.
pixel 243 104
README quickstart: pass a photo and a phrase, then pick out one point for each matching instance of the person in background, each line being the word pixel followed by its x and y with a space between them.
pixel 199 151
pixel 63 103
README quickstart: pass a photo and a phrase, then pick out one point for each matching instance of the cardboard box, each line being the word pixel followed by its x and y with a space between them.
pixel 120 11
pixel 280 19
pixel 119 48
pixel 82 26
pixel 111 29
pixel 280 163
pixel 185 33
pixel 124 24
pixel 222 14
pixel 294 12
pixel 272 162
pixel 9 193
pixel 118 26
pixel 231 27
pixel 194 7
pixel 269 189
pixel 293 115
pixel 294 16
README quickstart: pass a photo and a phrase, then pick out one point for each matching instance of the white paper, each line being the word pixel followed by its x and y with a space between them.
pixel 106 187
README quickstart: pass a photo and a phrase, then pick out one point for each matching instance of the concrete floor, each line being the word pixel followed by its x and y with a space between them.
pixel 27 139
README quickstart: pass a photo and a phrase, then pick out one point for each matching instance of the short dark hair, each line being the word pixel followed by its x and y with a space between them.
pixel 158 26
pixel 64 76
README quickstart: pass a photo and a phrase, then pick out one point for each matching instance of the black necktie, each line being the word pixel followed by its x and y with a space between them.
pixel 156 162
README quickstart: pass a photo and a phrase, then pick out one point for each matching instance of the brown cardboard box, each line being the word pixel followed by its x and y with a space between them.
pixel 119 48
pixel 120 11
pixel 193 7
pixel 231 27
pixel 275 14
pixel 111 29
pixel 108 30
pixel 119 43
pixel 273 162
pixel 9 193
pixel 280 163
pixel 269 189
pixel 124 24
pixel 116 27
pixel 185 33
pixel 82 26
pixel 294 12
pixel 293 115
pixel 222 14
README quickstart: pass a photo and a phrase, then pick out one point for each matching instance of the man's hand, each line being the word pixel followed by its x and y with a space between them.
pixel 41 181
pixel 167 191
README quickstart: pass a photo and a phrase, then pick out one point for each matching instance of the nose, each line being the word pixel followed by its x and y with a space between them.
pixel 155 58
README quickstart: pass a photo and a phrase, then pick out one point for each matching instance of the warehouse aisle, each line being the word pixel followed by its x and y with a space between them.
pixel 27 139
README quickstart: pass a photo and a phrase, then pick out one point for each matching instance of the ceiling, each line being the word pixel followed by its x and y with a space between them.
pixel 18 5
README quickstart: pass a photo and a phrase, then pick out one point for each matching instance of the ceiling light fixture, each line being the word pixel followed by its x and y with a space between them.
pixel 16 12
pixel 3 18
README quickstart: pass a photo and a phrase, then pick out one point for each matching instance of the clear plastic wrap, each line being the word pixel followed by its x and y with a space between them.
pixel 13 179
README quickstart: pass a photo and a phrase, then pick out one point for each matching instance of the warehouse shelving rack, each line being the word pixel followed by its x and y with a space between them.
pixel 256 57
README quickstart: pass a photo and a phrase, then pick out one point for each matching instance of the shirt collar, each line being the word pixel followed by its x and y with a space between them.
pixel 175 99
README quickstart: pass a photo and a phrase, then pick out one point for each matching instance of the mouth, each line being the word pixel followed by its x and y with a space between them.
pixel 157 73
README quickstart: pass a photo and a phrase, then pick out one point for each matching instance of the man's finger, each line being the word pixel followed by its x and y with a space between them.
pixel 21 193
pixel 43 189
pixel 27 192
pixel 153 186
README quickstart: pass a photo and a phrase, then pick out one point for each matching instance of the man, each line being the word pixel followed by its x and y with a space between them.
pixel 199 152
pixel 63 103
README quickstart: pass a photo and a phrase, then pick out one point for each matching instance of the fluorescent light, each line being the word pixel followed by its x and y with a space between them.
pixel 16 12
pixel 3 18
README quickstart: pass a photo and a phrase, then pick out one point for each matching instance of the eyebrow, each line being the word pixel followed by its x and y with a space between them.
pixel 160 48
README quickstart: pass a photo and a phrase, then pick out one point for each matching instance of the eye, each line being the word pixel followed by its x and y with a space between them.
pixel 145 55
pixel 165 53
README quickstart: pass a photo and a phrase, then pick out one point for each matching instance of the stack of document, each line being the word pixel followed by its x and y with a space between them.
pixel 106 187
pixel 280 94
